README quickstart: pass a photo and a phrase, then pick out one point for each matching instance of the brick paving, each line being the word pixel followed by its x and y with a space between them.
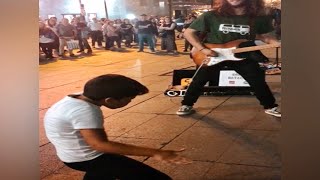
pixel 230 137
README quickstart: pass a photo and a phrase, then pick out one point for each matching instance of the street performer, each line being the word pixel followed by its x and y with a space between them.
pixel 253 23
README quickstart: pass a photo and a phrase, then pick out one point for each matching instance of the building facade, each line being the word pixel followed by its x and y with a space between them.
pixel 102 8
pixel 114 9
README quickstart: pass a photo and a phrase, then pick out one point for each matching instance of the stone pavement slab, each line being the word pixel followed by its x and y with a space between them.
pixel 253 147
pixel 221 171
pixel 229 137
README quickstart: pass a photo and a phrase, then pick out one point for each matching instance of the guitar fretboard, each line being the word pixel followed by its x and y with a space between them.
pixel 255 48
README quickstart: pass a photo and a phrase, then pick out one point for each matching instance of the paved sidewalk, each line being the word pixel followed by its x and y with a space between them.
pixel 230 137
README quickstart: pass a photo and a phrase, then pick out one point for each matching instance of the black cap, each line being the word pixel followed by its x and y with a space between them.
pixel 143 15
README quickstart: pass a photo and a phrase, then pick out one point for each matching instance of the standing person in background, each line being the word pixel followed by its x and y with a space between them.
pixel 82 35
pixel 145 29
pixel 179 23
pixel 46 40
pixel 105 33
pixel 66 32
pixel 117 24
pixel 155 32
pixel 127 32
pixel 168 41
pixel 135 31
pixel 113 35
pixel 52 24
pixel 75 126
pixel 252 14
pixel 276 16
pixel 96 32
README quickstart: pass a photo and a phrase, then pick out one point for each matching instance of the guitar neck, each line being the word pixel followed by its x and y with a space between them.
pixel 255 48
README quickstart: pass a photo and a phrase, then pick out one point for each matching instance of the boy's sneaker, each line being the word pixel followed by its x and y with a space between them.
pixel 185 110
pixel 273 111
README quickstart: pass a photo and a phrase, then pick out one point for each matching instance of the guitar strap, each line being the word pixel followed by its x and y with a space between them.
pixel 252 34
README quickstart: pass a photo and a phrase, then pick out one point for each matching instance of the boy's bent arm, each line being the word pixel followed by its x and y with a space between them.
pixel 97 139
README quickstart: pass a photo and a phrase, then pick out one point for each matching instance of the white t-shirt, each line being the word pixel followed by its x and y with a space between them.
pixel 95 26
pixel 62 124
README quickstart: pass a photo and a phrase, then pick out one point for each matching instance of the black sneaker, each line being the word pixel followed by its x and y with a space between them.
pixel 49 57
pixel 185 110
pixel 62 56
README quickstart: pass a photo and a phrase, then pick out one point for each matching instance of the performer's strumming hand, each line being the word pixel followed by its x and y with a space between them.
pixel 208 52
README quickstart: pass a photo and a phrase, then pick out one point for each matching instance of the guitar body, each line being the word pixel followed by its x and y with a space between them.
pixel 228 52
pixel 198 56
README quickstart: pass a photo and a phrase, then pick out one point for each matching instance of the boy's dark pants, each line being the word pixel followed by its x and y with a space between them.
pixel 112 166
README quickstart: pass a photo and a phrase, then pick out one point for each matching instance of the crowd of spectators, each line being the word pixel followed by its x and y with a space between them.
pixel 56 35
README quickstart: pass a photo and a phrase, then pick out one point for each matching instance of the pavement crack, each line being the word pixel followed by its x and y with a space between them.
pixel 43 89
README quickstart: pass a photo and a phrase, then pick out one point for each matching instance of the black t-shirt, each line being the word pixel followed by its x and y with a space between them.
pixel 147 30
pixel 80 26
pixel 170 32
pixel 127 28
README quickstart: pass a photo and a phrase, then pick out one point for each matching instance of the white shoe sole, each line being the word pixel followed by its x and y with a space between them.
pixel 185 114
pixel 275 115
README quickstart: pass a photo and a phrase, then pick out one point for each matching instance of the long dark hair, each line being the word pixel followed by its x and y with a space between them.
pixel 252 7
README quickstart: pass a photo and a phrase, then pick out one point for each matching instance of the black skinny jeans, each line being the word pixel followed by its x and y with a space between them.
pixel 112 166
pixel 248 69
pixel 116 39
pixel 96 36
pixel 83 43
pixel 47 49
pixel 187 45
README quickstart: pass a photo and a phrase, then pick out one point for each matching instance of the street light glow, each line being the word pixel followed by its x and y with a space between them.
pixel 131 16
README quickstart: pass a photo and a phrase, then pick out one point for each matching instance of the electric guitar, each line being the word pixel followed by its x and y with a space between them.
pixel 232 51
